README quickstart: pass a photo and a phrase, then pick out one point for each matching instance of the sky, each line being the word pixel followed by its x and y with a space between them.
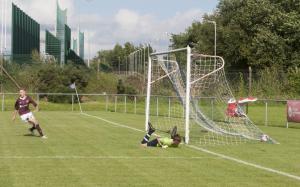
pixel 107 22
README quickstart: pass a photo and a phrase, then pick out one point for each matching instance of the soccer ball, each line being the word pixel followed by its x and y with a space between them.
pixel 264 138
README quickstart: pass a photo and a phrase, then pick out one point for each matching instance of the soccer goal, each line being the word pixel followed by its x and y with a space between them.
pixel 190 91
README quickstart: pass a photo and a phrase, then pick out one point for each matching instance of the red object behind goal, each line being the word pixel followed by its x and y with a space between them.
pixel 293 111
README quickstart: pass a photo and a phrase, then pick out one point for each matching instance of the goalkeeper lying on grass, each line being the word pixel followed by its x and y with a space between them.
pixel 163 142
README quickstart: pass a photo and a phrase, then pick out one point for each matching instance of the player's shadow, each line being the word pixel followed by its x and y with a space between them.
pixel 31 135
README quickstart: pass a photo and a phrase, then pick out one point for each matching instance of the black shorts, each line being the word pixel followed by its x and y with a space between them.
pixel 153 143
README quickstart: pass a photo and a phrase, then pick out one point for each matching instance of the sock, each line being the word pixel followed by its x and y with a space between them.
pixel 151 131
pixel 33 127
pixel 146 138
pixel 37 126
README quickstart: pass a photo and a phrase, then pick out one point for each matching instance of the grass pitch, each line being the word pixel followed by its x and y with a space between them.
pixel 86 151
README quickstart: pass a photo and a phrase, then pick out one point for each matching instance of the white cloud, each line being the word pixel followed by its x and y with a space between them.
pixel 127 20
pixel 104 32
pixel 131 26
pixel 44 11
pixel 127 25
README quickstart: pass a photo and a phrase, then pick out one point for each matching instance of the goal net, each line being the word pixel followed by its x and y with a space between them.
pixel 190 91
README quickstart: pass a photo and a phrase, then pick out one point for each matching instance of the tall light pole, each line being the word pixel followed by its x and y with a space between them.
pixel 5 24
pixel 119 65
pixel 98 68
pixel 2 27
pixel 215 25
pixel 126 61
pixel 3 37
pixel 168 38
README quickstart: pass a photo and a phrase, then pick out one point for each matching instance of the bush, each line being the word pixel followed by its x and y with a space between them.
pixel 53 79
pixel 120 87
pixel 270 83
pixel 293 86
pixel 103 82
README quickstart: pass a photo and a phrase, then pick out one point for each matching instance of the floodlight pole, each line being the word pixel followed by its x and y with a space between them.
pixel 128 63
pixel 98 68
pixel 146 46
pixel 119 65
pixel 5 25
pixel 3 38
pixel 215 26
pixel 2 28
pixel 134 62
pixel 126 60
pixel 2 60
pixel 139 58
pixel 168 37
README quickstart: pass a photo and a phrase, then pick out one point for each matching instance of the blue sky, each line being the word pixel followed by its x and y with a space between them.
pixel 108 22
pixel 162 8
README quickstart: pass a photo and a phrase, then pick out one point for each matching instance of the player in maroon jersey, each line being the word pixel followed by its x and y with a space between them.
pixel 22 107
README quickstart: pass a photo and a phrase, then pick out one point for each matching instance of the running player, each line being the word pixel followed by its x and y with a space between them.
pixel 163 142
pixel 22 107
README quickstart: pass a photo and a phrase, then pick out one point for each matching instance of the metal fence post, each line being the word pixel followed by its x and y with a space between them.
pixel 169 114
pixel 266 113
pixel 106 103
pixel 38 98
pixel 287 122
pixel 134 104
pixel 156 106
pixel 212 108
pixel 72 102
pixel 116 100
pixel 3 102
pixel 125 100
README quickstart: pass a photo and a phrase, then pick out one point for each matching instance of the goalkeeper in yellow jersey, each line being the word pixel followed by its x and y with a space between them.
pixel 163 142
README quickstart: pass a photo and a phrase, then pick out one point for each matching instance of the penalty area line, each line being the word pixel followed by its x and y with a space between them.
pixel 211 152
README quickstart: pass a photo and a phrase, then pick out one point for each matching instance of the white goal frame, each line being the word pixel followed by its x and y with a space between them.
pixel 187 96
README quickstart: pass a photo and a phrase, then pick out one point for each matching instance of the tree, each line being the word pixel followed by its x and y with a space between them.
pixel 257 33
pixel 120 87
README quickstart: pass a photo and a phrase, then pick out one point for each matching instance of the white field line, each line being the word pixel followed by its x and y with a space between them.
pixel 103 157
pixel 113 123
pixel 245 162
pixel 211 152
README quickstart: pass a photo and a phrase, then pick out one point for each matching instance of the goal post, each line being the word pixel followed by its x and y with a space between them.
pixel 150 81
pixel 187 96
pixel 201 95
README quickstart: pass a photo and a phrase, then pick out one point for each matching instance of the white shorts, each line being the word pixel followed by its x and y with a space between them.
pixel 27 116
